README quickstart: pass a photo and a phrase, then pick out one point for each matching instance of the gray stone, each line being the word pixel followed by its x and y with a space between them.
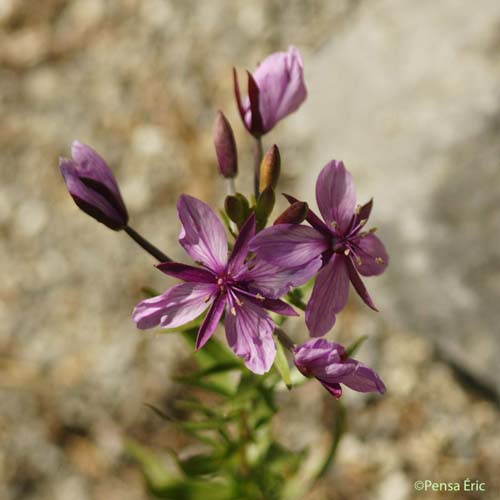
pixel 407 95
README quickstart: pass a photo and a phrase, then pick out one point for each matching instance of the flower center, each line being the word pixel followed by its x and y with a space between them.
pixel 339 245
pixel 224 280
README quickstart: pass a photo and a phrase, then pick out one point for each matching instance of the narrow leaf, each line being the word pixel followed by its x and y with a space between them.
pixel 352 348
pixel 282 365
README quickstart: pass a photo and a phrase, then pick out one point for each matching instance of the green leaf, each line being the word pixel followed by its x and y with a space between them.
pixel 281 364
pixel 159 412
pixel 200 465
pixel 227 223
pixel 213 352
pixel 340 423
pixel 192 325
pixel 319 461
pixel 234 364
pixel 216 387
pixel 155 473
pixel 196 490
pixel 352 348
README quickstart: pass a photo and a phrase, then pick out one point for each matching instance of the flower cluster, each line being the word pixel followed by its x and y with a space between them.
pixel 241 283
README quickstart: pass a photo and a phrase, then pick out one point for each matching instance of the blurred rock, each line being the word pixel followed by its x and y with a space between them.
pixel 407 95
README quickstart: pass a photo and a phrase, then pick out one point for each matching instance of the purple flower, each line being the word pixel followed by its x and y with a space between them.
pixel 345 249
pixel 241 288
pixel 330 364
pixel 93 187
pixel 275 90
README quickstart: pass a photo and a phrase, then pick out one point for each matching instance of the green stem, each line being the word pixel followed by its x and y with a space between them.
pixel 284 339
pixel 257 161
pixel 295 301
pixel 146 245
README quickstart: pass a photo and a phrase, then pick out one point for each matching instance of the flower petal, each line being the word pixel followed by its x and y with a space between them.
pixel 274 305
pixel 362 378
pixel 242 244
pixel 333 388
pixel 186 273
pixel 336 196
pixel 363 214
pixel 358 284
pixel 316 353
pixel 237 94
pixel 256 126
pixel 274 282
pixel 177 306
pixel 249 333
pixel 202 234
pixel 280 78
pixel 373 255
pixel 211 321
pixel 329 296
pixel 289 245
pixel 279 307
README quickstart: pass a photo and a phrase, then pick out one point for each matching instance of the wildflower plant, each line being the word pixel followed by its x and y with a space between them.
pixel 251 284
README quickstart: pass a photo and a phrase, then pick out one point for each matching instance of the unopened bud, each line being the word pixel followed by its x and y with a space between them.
pixel 93 187
pixel 225 147
pixel 270 169
pixel 265 205
pixel 235 209
pixel 294 214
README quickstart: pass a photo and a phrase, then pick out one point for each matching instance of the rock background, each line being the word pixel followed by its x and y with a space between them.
pixel 405 92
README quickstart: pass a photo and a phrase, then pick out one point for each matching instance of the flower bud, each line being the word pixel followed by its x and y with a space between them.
pixel 270 169
pixel 294 214
pixel 275 89
pixel 331 365
pixel 235 209
pixel 93 187
pixel 225 146
pixel 264 206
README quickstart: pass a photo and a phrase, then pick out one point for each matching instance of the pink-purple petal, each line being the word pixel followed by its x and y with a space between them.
pixel 289 245
pixel 274 305
pixel 255 116
pixel 333 388
pixel 202 234
pixel 358 284
pixel 186 273
pixel 329 363
pixel 363 214
pixel 178 305
pixel 329 296
pixel 211 321
pixel 242 244
pixel 279 307
pixel 280 79
pixel 362 378
pixel 249 333
pixel 336 196
pixel 273 281
pixel 372 255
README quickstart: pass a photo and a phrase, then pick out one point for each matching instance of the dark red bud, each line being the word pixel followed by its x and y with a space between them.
pixel 294 214
pixel 225 146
